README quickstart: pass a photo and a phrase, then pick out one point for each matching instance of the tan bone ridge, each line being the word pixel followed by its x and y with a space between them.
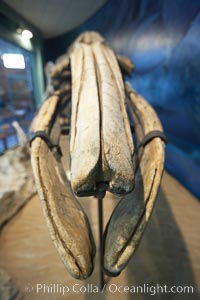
pixel 67 222
pixel 101 145
pixel 131 215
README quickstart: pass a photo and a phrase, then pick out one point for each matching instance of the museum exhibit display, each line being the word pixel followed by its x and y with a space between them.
pixel 99 149
pixel 102 156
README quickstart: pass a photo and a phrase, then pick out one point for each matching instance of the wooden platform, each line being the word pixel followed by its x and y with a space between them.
pixel 168 254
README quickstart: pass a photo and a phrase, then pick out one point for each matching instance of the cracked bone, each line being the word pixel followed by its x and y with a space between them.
pixel 130 217
pixel 101 145
pixel 68 225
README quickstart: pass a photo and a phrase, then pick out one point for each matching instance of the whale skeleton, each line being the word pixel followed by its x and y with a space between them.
pixel 102 155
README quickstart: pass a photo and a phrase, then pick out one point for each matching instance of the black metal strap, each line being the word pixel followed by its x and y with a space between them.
pixel 47 140
pixel 151 135
pixel 132 129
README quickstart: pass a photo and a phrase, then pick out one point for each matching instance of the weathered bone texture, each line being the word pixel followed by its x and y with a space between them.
pixel 16 182
pixel 62 66
pixel 131 215
pixel 85 120
pixel 116 139
pixel 101 145
pixel 22 138
pixel 88 38
pixel 125 64
pixel 61 74
pixel 67 222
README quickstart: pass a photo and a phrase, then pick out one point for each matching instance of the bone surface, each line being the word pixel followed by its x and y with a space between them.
pixel 132 214
pixel 67 222
pixel 85 121
pixel 101 145
pixel 125 64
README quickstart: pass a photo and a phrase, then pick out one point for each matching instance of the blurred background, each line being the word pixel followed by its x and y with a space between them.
pixel 160 36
